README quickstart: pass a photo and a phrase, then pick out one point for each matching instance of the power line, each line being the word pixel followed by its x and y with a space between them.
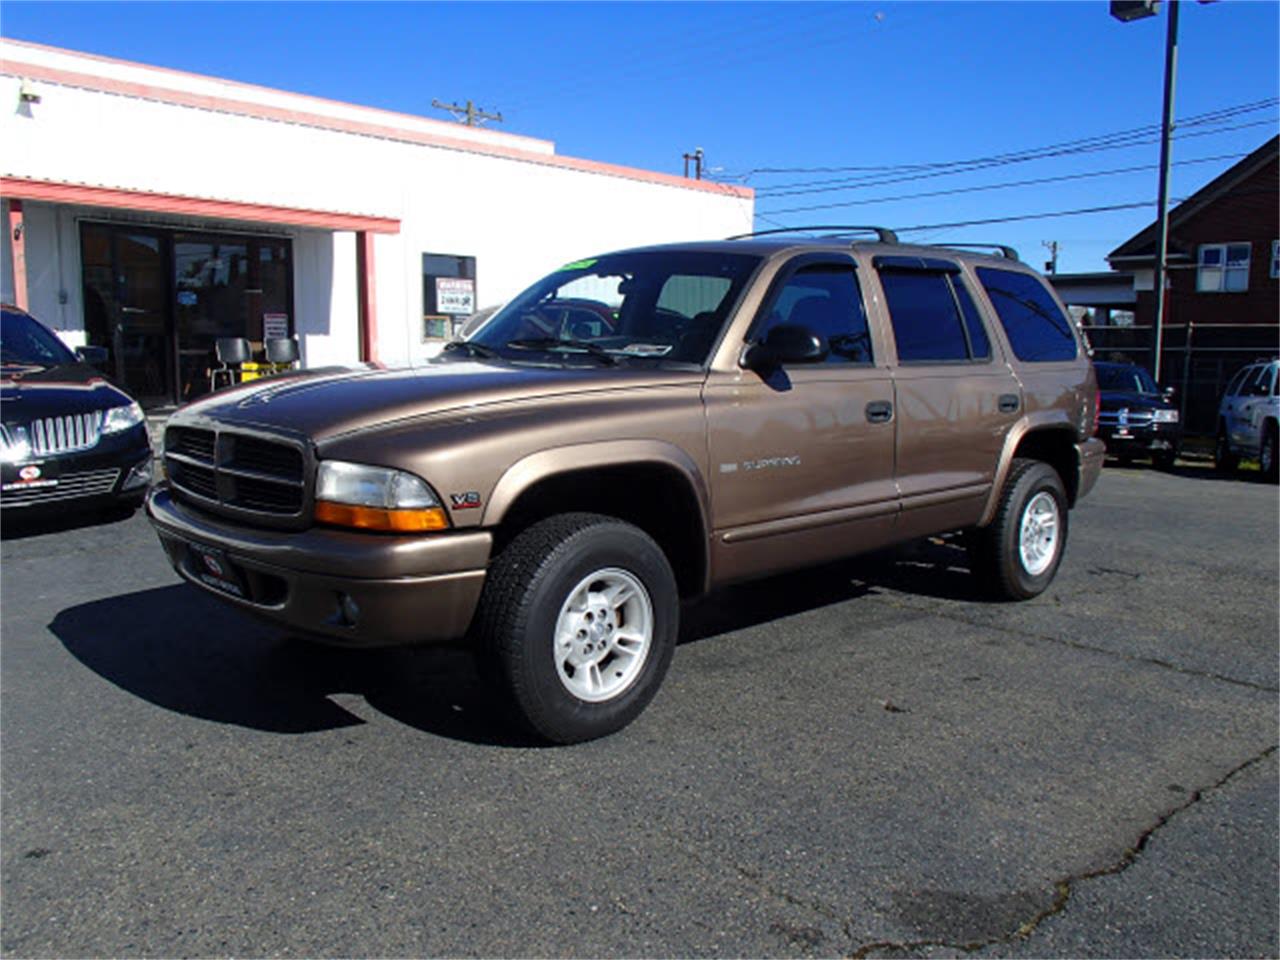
pixel 1000 186
pixel 1114 141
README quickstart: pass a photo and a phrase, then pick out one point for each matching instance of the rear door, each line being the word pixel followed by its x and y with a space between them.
pixel 956 399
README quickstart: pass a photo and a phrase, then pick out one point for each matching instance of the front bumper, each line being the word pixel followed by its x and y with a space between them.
pixel 347 587
pixel 1143 440
pixel 116 470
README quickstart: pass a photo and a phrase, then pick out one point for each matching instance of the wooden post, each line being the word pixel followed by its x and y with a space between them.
pixel 18 237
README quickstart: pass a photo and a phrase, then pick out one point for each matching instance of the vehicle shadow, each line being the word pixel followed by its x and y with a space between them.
pixel 1186 469
pixel 180 650
pixel 24 525
pixel 187 652
pixel 936 567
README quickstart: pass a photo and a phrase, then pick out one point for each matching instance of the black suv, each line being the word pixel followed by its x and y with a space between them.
pixel 1136 418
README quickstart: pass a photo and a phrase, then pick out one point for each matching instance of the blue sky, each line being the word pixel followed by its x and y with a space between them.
pixel 796 87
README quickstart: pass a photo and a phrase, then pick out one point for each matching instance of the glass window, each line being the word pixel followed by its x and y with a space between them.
pixel 927 326
pixel 23 342
pixel 1234 386
pixel 1124 378
pixel 1260 384
pixel 448 294
pixel 650 306
pixel 825 299
pixel 1035 325
pixel 979 344
pixel 1223 268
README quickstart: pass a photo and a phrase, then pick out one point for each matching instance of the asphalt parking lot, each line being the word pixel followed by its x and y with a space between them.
pixel 863 760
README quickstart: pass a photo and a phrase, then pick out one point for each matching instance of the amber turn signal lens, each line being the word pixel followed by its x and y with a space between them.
pixel 375 518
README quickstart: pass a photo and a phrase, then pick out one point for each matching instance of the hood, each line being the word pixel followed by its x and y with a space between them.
pixel 327 403
pixel 30 393
pixel 1115 399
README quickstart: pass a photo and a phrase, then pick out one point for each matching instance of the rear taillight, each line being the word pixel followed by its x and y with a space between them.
pixel 1097 411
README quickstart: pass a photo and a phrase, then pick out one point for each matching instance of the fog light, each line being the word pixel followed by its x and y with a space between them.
pixel 348 609
pixel 139 476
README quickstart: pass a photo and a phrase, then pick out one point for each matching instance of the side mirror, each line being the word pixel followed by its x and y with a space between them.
pixel 94 356
pixel 1168 392
pixel 785 343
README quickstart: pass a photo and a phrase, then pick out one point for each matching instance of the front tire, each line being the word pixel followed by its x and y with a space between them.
pixel 1224 460
pixel 578 624
pixel 1017 555
pixel 1267 456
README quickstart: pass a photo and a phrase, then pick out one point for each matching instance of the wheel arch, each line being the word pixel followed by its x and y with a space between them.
pixel 605 478
pixel 1054 444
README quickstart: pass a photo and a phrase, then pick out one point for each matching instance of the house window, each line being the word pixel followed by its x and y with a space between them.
pixel 1275 259
pixel 1223 268
pixel 448 294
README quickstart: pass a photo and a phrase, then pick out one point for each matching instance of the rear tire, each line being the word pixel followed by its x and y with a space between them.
pixel 578 624
pixel 1017 555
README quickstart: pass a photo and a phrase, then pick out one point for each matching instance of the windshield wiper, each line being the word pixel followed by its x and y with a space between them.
pixel 552 344
pixel 478 350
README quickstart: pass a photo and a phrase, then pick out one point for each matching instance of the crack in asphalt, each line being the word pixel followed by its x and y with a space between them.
pixel 1028 637
pixel 1063 888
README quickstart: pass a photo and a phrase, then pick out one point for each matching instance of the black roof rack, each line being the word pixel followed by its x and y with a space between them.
pixel 1005 251
pixel 883 234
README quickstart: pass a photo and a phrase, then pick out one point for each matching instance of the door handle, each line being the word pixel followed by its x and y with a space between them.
pixel 879 411
pixel 1009 403
pixel 132 310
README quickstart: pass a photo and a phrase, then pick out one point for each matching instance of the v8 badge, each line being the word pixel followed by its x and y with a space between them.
pixel 465 501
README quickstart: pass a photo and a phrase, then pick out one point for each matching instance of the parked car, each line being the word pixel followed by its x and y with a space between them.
pixel 1247 420
pixel 68 438
pixel 1136 419
pixel 726 410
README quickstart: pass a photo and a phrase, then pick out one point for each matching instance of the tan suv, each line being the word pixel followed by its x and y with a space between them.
pixel 636 429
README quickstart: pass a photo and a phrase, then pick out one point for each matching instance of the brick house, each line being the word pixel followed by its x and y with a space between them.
pixel 1222 307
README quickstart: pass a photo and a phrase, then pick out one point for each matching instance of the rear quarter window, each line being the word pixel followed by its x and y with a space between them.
pixel 1037 329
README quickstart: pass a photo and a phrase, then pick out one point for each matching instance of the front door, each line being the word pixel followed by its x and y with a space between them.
pixel 801 458
pixel 126 297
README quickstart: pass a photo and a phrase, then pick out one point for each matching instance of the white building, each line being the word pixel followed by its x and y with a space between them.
pixel 151 211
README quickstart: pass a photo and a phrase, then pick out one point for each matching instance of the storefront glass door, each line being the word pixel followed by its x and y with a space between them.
pixel 158 300
pixel 126 291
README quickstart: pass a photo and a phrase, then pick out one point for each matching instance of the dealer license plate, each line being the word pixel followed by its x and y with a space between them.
pixel 211 567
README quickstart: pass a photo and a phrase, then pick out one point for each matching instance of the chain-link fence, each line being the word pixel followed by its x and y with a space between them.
pixel 1197 360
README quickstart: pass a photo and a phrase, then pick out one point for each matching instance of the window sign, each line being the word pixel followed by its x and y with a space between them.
pixel 275 326
pixel 455 296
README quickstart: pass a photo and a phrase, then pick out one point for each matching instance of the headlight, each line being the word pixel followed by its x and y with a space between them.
pixel 1166 416
pixel 14 447
pixel 122 418
pixel 375 498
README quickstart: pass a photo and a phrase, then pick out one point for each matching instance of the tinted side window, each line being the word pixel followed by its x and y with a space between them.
pixel 1037 329
pixel 925 316
pixel 979 345
pixel 826 299
pixel 1234 386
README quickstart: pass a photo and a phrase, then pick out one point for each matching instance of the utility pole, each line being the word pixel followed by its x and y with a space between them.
pixel 696 157
pixel 474 116
pixel 1051 266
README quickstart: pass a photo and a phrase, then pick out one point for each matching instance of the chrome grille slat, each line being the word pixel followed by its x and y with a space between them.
pixel 50 436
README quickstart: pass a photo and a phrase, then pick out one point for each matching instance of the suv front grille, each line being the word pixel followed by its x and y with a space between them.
pixel 236 473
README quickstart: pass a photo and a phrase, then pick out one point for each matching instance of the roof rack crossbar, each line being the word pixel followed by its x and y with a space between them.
pixel 1008 252
pixel 883 234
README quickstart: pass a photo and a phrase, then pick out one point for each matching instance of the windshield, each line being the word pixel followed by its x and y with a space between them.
pixel 663 306
pixel 1125 379
pixel 23 342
